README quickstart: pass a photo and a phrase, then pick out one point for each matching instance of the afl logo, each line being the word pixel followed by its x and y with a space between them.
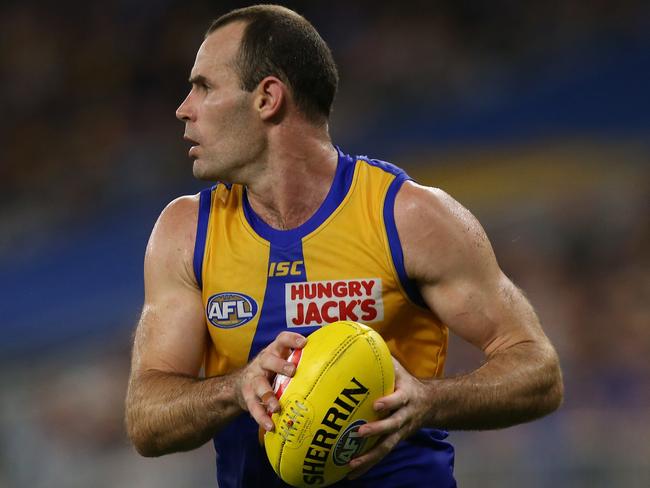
pixel 349 444
pixel 230 309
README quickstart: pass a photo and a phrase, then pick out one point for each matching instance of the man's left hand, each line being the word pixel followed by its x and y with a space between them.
pixel 406 408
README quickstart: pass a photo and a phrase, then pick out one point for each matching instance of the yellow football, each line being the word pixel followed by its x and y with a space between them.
pixel 342 370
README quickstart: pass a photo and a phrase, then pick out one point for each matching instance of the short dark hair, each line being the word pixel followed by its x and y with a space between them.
pixel 279 42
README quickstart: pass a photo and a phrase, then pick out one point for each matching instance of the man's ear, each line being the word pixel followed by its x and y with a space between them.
pixel 270 98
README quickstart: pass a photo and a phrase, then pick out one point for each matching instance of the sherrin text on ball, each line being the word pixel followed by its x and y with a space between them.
pixel 344 368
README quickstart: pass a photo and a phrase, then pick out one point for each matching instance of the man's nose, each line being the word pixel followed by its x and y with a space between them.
pixel 184 112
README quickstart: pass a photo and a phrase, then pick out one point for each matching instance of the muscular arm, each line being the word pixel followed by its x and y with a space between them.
pixel 168 407
pixel 447 253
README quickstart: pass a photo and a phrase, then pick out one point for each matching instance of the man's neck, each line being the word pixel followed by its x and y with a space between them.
pixel 294 182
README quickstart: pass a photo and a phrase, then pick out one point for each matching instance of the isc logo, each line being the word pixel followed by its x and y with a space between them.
pixel 230 309
pixel 284 268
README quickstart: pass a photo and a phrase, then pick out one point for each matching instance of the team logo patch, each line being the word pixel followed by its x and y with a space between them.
pixel 349 444
pixel 230 309
pixel 311 303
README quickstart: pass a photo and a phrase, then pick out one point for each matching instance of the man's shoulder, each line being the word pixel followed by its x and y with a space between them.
pixel 435 228
pixel 423 210
pixel 415 202
pixel 176 225
pixel 181 210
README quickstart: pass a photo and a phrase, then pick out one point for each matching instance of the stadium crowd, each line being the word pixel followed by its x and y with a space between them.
pixel 89 89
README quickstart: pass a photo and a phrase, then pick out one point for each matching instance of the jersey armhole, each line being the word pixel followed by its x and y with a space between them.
pixel 394 243
pixel 205 201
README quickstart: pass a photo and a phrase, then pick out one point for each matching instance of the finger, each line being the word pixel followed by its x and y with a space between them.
pixel 252 391
pixel 266 397
pixel 276 364
pixel 264 394
pixel 248 395
pixel 385 426
pixel 259 411
pixel 397 365
pixel 394 401
pixel 260 415
pixel 360 465
pixel 285 341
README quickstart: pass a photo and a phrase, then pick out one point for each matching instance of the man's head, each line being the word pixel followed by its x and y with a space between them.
pixel 279 42
pixel 254 64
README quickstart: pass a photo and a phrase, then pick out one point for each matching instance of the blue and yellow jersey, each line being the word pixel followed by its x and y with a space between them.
pixel 344 263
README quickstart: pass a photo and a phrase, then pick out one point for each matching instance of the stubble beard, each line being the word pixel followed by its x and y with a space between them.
pixel 212 169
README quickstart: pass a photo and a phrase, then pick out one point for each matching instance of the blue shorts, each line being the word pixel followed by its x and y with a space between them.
pixel 424 459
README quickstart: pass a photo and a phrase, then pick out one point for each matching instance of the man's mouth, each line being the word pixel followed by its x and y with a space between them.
pixel 189 139
pixel 192 153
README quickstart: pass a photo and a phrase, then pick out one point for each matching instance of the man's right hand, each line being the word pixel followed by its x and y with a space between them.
pixel 254 391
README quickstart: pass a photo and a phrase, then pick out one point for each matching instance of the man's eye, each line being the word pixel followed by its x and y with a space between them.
pixel 201 86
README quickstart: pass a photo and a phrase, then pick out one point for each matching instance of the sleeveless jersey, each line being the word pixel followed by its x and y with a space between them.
pixel 344 263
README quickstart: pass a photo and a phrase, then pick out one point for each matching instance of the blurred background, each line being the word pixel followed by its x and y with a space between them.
pixel 535 115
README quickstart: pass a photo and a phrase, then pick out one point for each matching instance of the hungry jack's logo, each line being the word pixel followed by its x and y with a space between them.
pixel 310 303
